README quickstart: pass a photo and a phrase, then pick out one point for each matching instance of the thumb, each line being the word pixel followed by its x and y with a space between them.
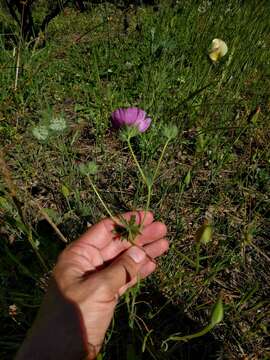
pixel 124 269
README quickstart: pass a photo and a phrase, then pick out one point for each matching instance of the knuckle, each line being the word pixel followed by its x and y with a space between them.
pixel 162 228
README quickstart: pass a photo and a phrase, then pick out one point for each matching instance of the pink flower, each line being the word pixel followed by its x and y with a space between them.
pixel 131 117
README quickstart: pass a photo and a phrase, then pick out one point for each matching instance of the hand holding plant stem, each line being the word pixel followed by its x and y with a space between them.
pixel 125 229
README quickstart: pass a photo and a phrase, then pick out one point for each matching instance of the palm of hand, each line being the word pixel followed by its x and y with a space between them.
pixel 97 268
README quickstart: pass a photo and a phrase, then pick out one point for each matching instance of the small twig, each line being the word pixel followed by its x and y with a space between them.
pixel 53 225
pixel 17 68
pixel 18 50
pixel 88 31
pixel 255 247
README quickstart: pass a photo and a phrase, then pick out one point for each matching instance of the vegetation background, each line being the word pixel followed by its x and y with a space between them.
pixel 80 68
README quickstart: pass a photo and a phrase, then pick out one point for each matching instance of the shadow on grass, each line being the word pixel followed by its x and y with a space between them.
pixel 163 319
pixel 154 314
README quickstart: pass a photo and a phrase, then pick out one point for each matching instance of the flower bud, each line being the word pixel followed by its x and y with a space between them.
pixel 131 117
pixel 204 234
pixel 187 178
pixel 218 49
pixel 217 313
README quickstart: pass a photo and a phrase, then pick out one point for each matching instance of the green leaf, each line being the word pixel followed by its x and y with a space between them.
pixel 128 132
pixel 128 229
pixel 56 218
pixel 58 124
pixel 89 168
pixel 41 132
pixel 170 131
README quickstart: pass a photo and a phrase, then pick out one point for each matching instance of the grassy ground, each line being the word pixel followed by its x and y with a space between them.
pixel 154 58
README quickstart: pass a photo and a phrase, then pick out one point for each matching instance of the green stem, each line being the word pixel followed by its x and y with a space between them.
pixel 197 257
pixel 202 332
pixel 149 194
pixel 160 159
pixel 150 187
pixel 137 163
pixel 100 199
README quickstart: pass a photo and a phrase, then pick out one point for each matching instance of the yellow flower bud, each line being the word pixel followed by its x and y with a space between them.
pixel 218 49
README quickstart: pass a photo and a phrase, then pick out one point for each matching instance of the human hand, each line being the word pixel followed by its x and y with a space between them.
pixel 90 275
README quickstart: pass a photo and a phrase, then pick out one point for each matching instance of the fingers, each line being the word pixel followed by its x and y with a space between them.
pixel 99 245
pixel 153 250
pixel 140 216
pixel 147 269
pixel 101 234
pixel 123 270
pixel 152 232
pixel 156 248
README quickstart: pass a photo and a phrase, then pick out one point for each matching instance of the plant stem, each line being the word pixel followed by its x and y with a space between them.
pixel 160 159
pixel 150 187
pixel 149 194
pixel 137 163
pixel 18 50
pixel 100 199
pixel 202 332
pixel 50 221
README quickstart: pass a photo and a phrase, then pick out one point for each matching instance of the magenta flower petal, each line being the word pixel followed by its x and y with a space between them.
pixel 144 125
pixel 132 116
pixel 118 118
pixel 140 115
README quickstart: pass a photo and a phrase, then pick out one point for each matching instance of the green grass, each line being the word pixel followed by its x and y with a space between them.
pixel 158 62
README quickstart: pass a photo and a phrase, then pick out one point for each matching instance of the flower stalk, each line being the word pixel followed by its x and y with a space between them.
pixel 100 198
pixel 136 162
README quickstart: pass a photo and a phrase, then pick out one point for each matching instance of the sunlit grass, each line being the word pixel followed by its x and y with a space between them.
pixel 217 169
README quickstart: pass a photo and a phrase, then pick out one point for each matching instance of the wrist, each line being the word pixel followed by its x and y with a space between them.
pixel 58 331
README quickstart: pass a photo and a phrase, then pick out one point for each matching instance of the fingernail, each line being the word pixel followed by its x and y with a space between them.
pixel 136 254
